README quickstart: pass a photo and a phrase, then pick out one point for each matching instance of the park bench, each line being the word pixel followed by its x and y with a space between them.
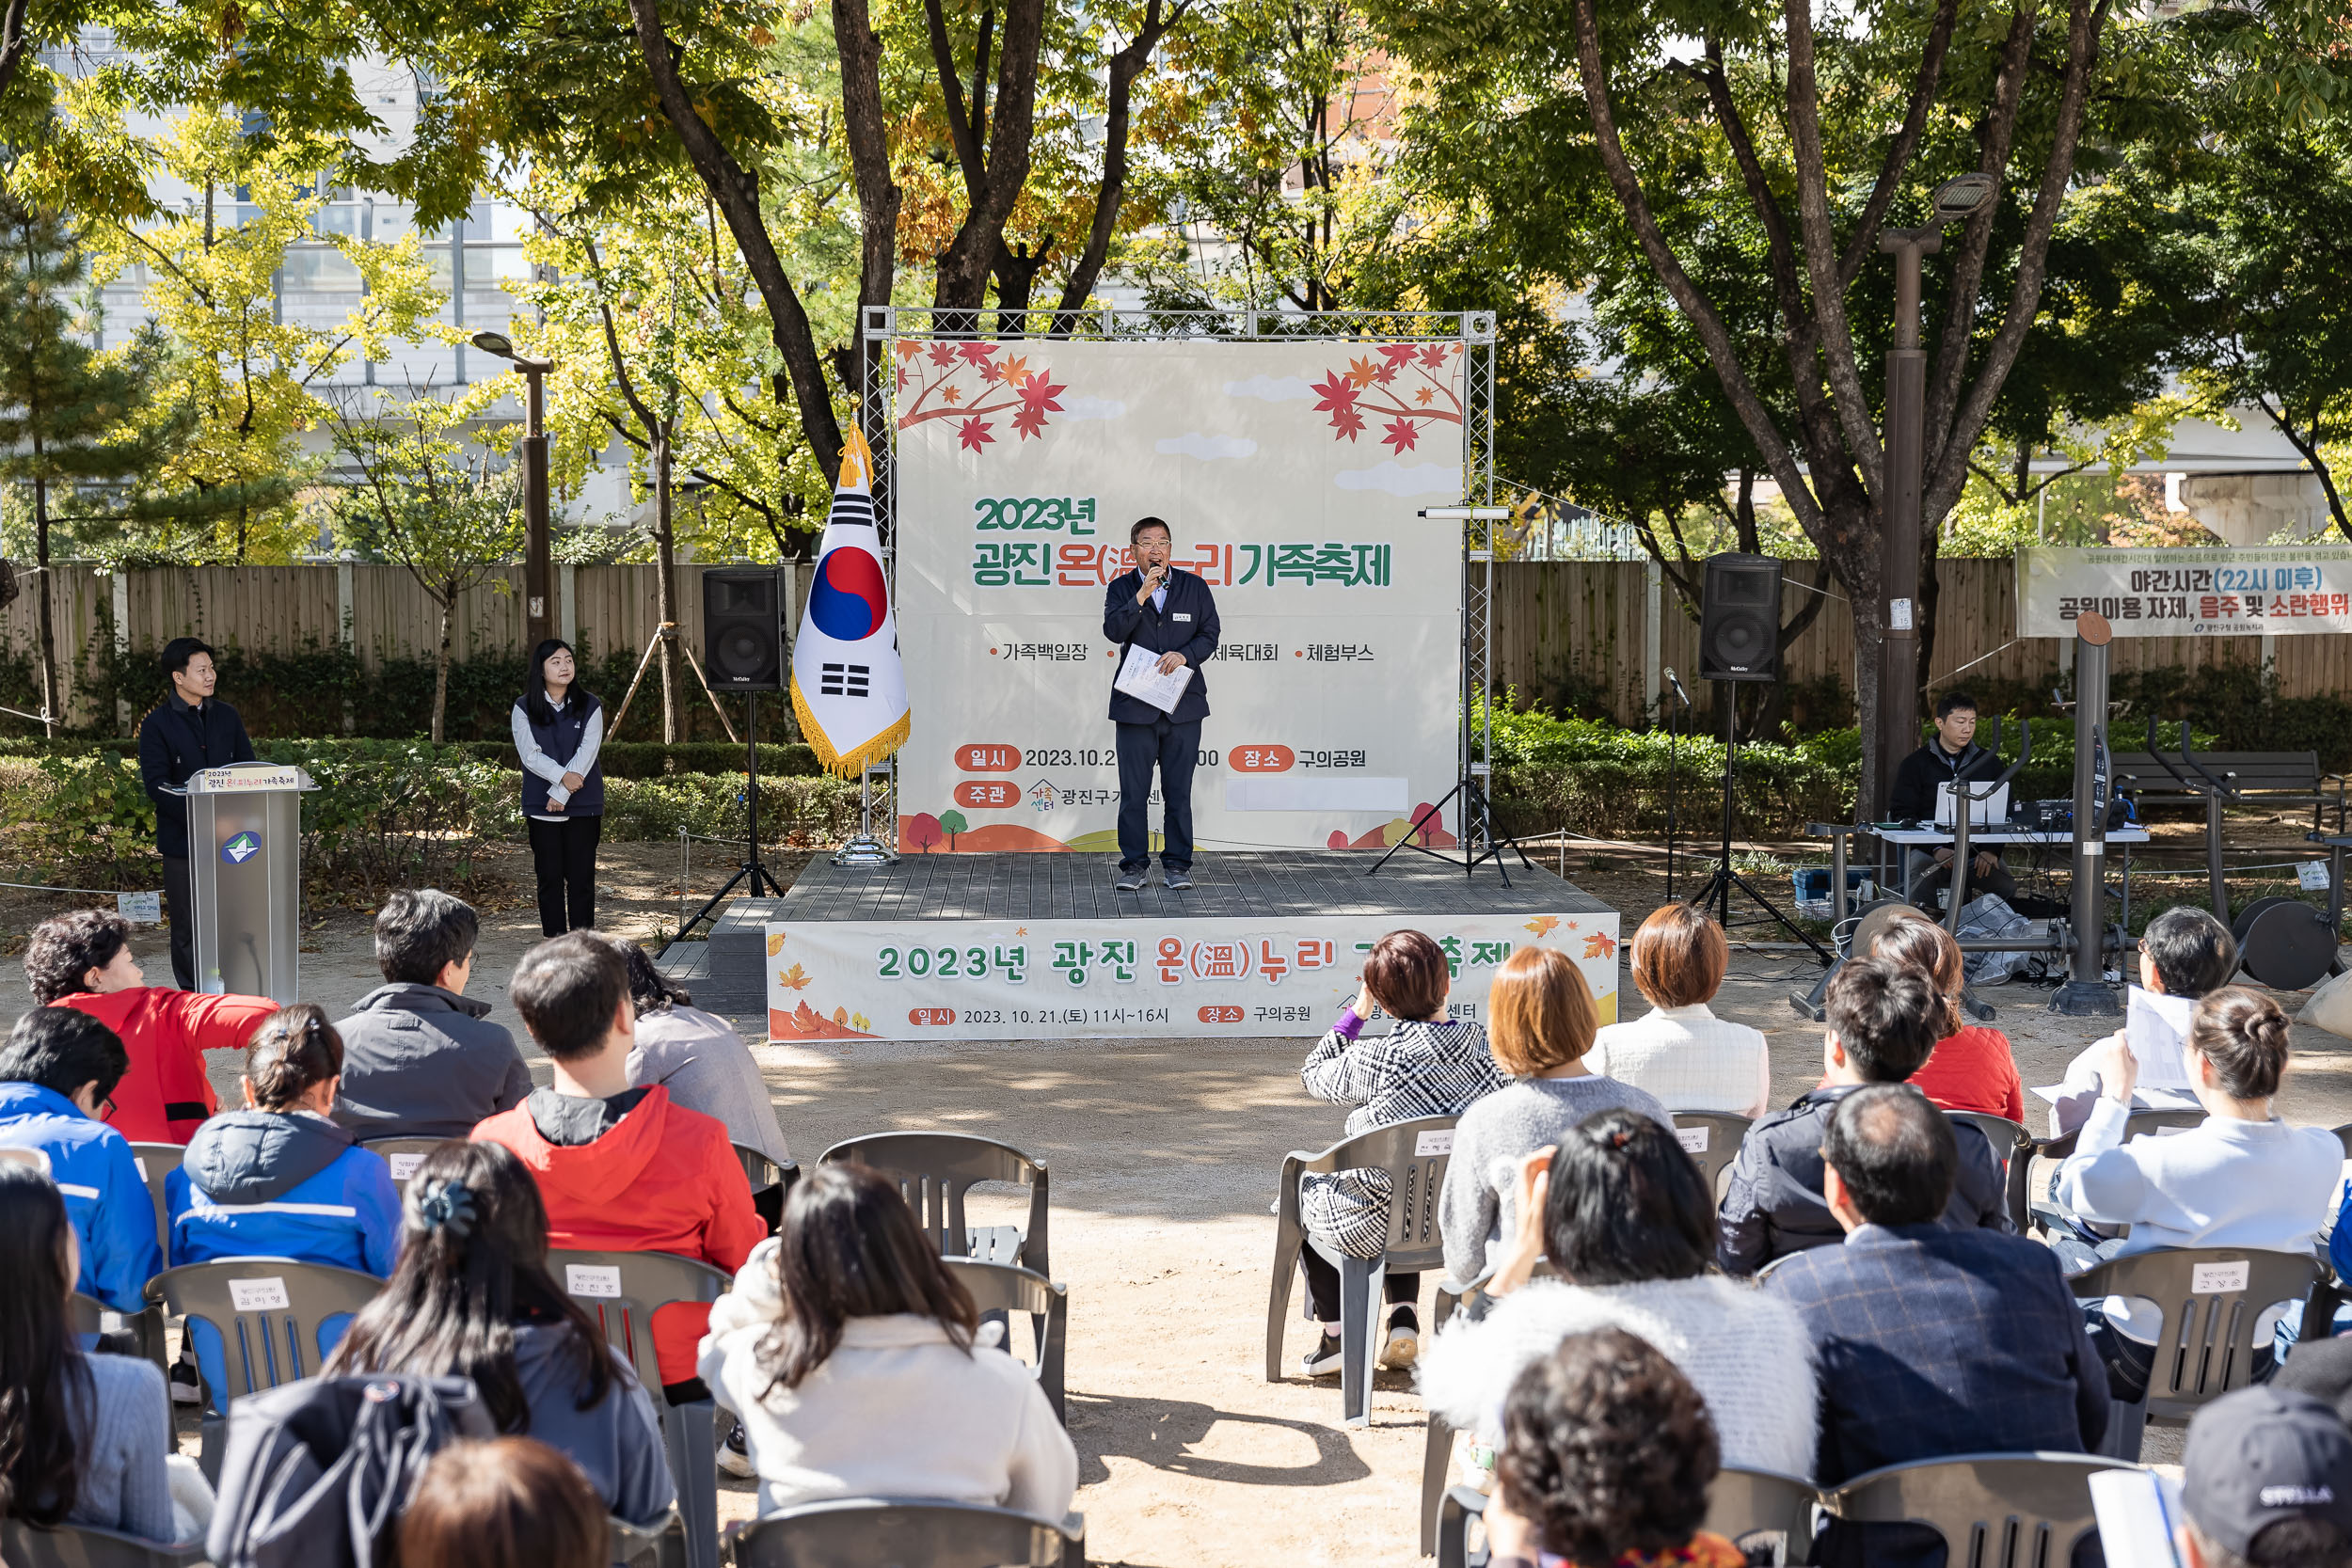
pixel 2268 779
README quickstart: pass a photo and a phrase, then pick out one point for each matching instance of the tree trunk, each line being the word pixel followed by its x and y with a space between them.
pixel 665 584
pixel 40 595
pixel 1017 267
pixel 1870 640
pixel 447 599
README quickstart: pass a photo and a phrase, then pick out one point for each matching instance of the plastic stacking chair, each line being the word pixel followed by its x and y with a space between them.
pixel 1994 1509
pixel 622 1291
pixel 1415 1154
pixel 1005 1288
pixel 904 1532
pixel 1712 1141
pixel 403 1155
pixel 271 1314
pixel 23 1546
pixel 934 1170
pixel 638 1546
pixel 2013 1147
pixel 1437 1451
pixel 1759 1508
pixel 2211 1298
pixel 760 1171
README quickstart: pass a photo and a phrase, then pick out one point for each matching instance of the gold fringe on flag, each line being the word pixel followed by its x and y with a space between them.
pixel 848 765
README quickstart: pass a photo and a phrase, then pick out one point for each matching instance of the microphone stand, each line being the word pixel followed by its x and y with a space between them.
pixel 1674 773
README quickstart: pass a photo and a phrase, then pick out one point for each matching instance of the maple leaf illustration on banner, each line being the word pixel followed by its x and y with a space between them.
pixel 1543 925
pixel 1600 945
pixel 1409 386
pixel 973 384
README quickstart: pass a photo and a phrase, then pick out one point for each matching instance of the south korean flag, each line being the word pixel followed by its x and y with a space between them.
pixel 847 687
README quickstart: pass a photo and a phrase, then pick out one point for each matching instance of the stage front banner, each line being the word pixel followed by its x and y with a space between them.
pixel 2266 591
pixel 1291 474
pixel 1082 979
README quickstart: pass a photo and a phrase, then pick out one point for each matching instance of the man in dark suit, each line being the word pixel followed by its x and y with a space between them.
pixel 1927 1340
pixel 1169 612
pixel 188 731
pixel 1883 1020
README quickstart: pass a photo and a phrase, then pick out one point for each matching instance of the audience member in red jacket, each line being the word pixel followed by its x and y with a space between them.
pixel 621 1169
pixel 1971 1067
pixel 83 960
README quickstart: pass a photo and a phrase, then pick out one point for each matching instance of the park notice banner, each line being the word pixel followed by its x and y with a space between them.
pixel 1083 979
pixel 1291 474
pixel 2269 591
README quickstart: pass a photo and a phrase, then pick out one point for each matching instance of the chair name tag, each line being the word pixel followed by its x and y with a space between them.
pixel 2213 1279
pixel 404 1165
pixel 1694 1139
pixel 1439 1141
pixel 591 1279
pixel 258 1295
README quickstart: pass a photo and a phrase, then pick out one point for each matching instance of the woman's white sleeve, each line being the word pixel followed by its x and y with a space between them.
pixel 527 747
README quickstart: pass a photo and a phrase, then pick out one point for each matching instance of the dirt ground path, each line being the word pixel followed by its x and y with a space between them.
pixel 1163 1155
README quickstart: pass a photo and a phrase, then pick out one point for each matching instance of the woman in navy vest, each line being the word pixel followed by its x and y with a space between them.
pixel 558 729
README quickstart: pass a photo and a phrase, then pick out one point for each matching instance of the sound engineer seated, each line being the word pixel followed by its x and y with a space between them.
pixel 1951 756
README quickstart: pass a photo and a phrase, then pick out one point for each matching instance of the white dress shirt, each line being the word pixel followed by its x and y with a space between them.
pixel 1689 1059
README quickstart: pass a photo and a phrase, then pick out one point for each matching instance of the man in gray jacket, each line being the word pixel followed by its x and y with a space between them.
pixel 421 1058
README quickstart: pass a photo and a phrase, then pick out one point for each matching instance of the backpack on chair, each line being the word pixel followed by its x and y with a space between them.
pixel 315 1473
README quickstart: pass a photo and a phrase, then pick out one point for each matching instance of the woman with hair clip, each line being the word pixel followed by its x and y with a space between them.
pixel 1971 1067
pixel 1628 1224
pixel 850 1352
pixel 279 1178
pixel 82 1438
pixel 559 728
pixel 2241 1178
pixel 472 1297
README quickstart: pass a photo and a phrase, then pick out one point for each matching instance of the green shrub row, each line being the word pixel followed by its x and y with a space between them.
pixel 386 813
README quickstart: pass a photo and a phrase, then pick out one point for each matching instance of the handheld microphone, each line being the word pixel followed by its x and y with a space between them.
pixel 1677 684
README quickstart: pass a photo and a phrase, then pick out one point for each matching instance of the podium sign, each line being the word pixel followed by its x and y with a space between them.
pixel 245 873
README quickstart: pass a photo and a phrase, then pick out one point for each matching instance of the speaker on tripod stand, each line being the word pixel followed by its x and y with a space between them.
pixel 743 612
pixel 1739 643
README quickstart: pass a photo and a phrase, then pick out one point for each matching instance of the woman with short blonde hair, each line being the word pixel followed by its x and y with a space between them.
pixel 1680 1051
pixel 1540 1024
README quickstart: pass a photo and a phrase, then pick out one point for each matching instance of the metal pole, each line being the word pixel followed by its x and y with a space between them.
pixel 750 859
pixel 2086 993
pixel 538 592
pixel 1899 511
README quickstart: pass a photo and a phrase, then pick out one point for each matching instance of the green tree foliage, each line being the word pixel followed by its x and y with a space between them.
pixel 66 410
pixel 419 492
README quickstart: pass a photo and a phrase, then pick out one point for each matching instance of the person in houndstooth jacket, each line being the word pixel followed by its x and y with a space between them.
pixel 1429 1065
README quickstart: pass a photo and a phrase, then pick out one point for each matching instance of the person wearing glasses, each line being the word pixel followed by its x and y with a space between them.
pixel 83 960
pixel 59 1072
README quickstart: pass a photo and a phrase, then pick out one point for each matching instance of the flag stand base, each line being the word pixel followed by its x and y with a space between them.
pixel 864 852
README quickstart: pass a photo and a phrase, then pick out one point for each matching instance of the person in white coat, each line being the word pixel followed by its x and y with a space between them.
pixel 1628 1225
pixel 854 1358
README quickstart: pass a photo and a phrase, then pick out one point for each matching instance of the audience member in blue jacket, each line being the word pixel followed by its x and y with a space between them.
pixel 56 1072
pixel 278 1179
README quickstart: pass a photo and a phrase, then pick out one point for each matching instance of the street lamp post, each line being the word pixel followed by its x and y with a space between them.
pixel 1898 500
pixel 538 568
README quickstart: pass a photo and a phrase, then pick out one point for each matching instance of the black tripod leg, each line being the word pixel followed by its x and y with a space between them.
pixel 1418 822
pixel 1768 907
pixel 749 868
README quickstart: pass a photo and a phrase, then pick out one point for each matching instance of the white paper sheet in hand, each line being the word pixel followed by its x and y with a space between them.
pixel 1139 677
pixel 2155 1026
pixel 2135 1509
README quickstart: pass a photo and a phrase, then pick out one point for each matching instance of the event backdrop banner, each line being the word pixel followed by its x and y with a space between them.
pixel 2269 591
pixel 1291 473
pixel 1082 979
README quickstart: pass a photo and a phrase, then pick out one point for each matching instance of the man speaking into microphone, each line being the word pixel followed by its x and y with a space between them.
pixel 1169 612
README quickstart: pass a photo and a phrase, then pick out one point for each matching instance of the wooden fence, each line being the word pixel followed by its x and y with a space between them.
pixel 379 613
pixel 1593 618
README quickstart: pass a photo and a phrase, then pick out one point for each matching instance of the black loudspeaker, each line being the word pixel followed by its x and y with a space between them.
pixel 743 628
pixel 1740 619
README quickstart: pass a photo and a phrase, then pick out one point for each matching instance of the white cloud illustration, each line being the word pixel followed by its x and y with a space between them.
pixel 1288 389
pixel 1093 408
pixel 1207 447
pixel 1398 478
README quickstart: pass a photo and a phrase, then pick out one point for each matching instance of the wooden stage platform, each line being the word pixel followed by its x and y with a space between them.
pixel 1035 926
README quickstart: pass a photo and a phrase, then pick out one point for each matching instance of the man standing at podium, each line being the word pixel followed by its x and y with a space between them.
pixel 188 731
pixel 1169 612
